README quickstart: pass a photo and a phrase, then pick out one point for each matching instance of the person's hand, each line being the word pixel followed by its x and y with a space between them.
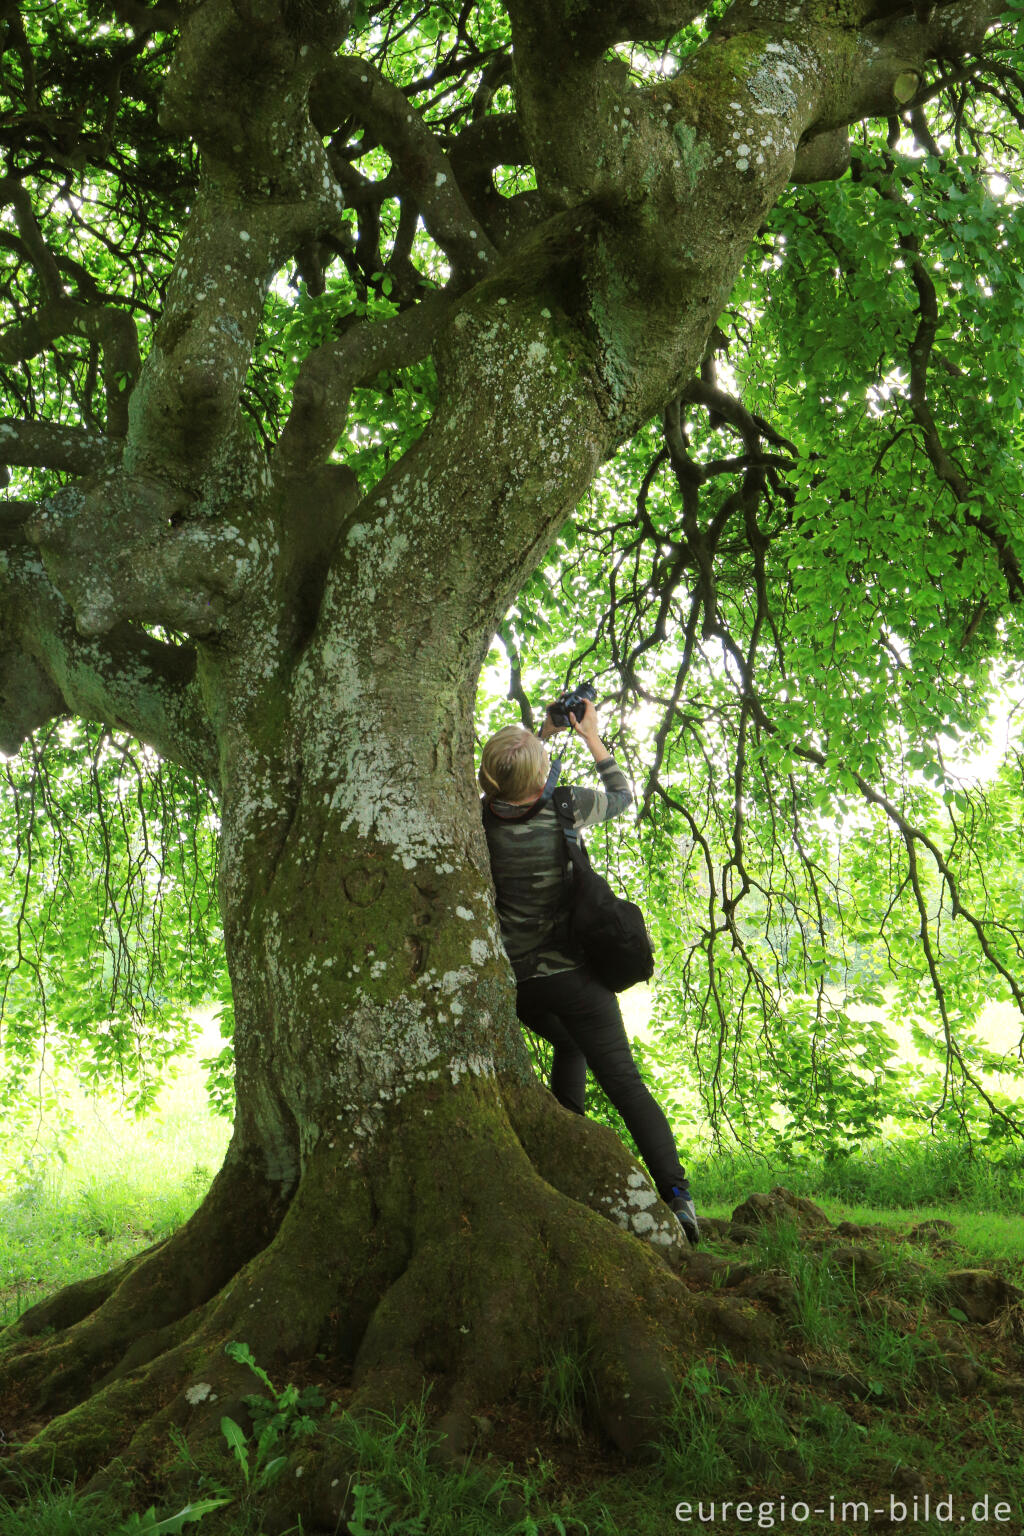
pixel 549 728
pixel 586 726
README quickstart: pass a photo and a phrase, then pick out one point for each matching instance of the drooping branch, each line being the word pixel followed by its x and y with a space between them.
pixel 913 837
pixel 642 605
pixel 694 566
pixel 13 195
pixel 516 690
pixel 119 847
pixel 110 327
pixel 920 352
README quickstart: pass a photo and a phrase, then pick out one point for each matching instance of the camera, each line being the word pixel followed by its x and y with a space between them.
pixel 572 700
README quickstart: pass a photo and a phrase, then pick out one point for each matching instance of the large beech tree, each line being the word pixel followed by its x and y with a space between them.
pixel 536 212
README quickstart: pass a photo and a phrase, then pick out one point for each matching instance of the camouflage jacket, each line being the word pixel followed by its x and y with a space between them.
pixel 531 877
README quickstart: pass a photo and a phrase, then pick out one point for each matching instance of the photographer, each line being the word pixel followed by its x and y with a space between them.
pixel 557 996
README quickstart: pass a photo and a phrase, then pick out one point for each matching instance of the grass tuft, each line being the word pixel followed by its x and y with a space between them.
pixel 46 1507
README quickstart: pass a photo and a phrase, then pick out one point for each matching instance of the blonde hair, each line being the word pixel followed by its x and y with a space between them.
pixel 513 765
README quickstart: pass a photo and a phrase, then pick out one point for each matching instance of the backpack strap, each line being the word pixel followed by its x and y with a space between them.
pixel 491 817
pixel 561 799
pixel 576 853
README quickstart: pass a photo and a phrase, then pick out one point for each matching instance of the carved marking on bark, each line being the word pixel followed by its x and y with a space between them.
pixel 363 885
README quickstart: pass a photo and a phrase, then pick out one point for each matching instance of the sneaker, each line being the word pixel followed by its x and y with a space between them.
pixel 684 1209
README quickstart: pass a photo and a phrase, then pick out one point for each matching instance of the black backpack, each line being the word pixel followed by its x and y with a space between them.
pixel 608 931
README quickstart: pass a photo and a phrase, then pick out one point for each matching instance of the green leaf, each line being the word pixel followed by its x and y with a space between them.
pixel 150 1524
pixel 237 1443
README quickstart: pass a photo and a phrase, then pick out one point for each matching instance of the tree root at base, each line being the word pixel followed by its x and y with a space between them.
pixel 455 1260
pixel 59 1349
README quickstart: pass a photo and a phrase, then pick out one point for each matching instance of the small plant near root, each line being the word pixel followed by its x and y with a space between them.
pixel 279 1415
pixel 565 1386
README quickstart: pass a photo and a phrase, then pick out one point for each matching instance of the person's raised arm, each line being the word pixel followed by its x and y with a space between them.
pixel 596 805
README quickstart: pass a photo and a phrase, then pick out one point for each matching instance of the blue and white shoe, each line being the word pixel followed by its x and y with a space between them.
pixel 683 1206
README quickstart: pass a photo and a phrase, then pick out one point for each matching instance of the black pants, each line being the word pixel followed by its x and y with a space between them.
pixel 581 1019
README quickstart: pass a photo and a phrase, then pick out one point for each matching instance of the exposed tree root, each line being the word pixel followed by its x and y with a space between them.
pixel 60 1348
pixel 456 1262
pixel 588 1162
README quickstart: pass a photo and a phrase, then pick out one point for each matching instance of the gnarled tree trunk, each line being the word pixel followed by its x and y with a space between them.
pixel 400 1194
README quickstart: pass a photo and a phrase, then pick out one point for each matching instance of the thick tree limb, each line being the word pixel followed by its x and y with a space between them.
pixel 238 86
pixel 126 549
pixel 484 144
pixel 510 220
pixel 153 543
pixel 825 157
pixel 13 517
pixel 813 78
pixel 331 372
pixel 163 16
pixel 475 153
pixel 588 29
pixel 128 680
pixel 47 445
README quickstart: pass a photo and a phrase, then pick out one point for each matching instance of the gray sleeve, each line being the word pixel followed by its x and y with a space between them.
pixel 592 806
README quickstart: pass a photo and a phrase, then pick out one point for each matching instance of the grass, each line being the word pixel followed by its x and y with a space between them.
pixel 402 1488
pixel 564 1389
pixel 398 1487
pixel 897 1174
pixel 47 1507
pixel 50 1508
pixel 744 1438
pixel 70 1208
